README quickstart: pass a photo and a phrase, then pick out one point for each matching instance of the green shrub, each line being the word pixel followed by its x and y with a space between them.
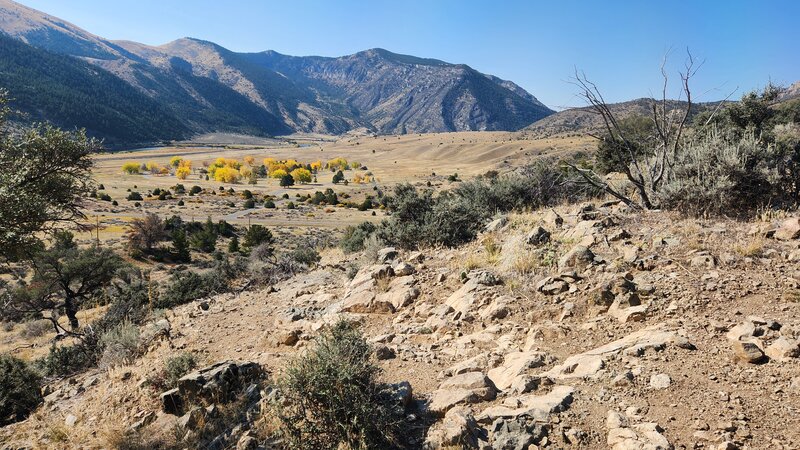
pixel 249 203
pixel 175 367
pixel 37 328
pixel 354 236
pixel 66 360
pixel 306 255
pixel 332 398
pixel 134 196
pixel 20 389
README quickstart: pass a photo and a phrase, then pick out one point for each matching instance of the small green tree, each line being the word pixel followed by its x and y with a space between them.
pixel 180 246
pixel 45 173
pixel 205 240
pixel 257 235
pixel 233 246
pixel 338 177
pixel 64 278
pixel 287 180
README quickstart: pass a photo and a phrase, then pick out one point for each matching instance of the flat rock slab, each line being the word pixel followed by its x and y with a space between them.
pixel 537 407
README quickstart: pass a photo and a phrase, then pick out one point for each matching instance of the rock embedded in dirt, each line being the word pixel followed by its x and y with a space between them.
pixel 383 352
pixel 457 429
pixel 537 236
pixel 387 254
pixel 217 382
pixel 660 381
pixel 783 349
pixel 788 230
pixel 748 352
pixel 578 257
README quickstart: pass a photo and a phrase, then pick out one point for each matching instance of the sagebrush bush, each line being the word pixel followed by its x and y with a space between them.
pixel 332 398
pixel 120 345
pixel 305 255
pixel 20 389
pixel 37 328
pixel 718 174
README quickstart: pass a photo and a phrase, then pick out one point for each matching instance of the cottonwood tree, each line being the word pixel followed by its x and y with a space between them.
pixel 45 173
pixel 646 165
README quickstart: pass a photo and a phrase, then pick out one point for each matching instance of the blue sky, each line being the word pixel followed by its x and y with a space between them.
pixel 618 44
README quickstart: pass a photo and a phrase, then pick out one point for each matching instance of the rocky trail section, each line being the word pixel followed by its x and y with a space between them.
pixel 629 332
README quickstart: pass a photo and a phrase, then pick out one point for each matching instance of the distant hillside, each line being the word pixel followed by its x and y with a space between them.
pixel 586 120
pixel 792 92
pixel 72 93
pixel 197 87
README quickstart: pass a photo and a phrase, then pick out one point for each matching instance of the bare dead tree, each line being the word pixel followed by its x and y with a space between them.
pixel 645 172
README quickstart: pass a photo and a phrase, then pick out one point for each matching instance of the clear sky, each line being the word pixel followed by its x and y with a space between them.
pixel 618 44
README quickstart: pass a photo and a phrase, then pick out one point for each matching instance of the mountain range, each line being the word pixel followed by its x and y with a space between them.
pixel 127 92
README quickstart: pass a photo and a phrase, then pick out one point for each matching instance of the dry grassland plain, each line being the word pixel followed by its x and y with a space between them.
pixel 417 159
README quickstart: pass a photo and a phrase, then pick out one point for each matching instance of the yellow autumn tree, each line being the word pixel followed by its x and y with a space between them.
pixel 249 160
pixel 227 175
pixel 175 161
pixel 131 168
pixel 245 171
pixel 316 166
pixel 277 174
pixel 182 172
pixel 337 164
pixel 301 175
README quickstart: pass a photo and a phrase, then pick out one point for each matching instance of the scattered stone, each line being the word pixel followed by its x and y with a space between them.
pixel 457 429
pixel 496 224
pixel 624 436
pixel 217 382
pixel 660 381
pixel 383 352
pixel 748 352
pixel 470 387
pixel 70 420
pixel 387 254
pixel 783 349
pixel 171 401
pixel 538 236
pixel 516 364
pixel 537 407
pixel 578 257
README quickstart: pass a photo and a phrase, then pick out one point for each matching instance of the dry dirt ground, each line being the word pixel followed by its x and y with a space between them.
pixel 633 345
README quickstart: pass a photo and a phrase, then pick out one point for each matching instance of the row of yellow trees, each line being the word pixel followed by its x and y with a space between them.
pixel 230 170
